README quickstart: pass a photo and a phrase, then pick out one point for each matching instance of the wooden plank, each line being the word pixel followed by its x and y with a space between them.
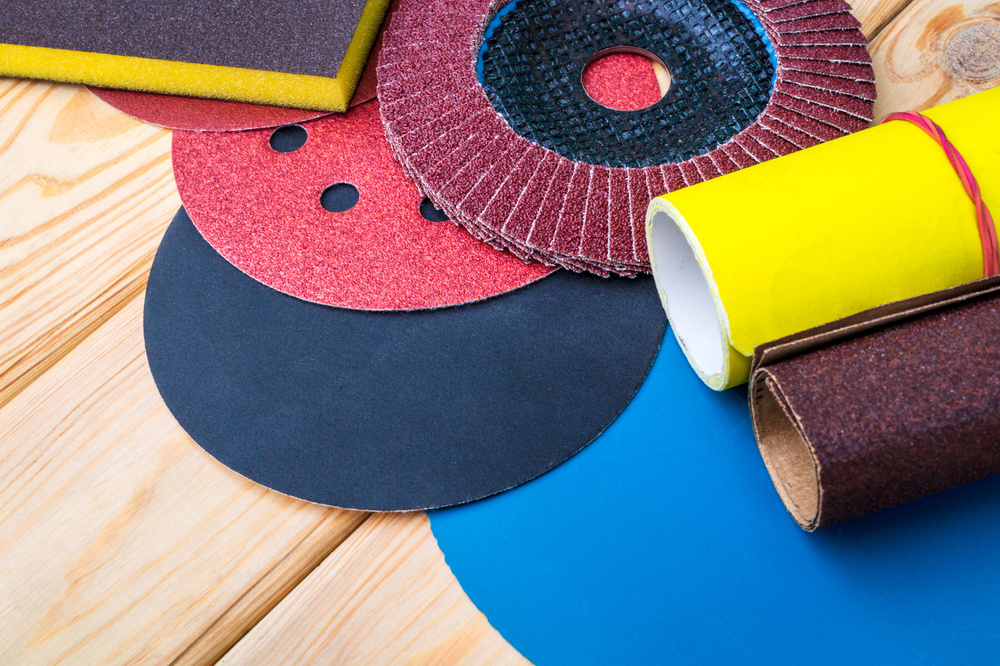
pixel 937 51
pixel 122 541
pixel 876 14
pixel 85 194
pixel 384 597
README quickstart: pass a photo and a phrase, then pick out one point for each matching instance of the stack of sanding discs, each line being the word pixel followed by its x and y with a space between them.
pixel 321 330
pixel 483 105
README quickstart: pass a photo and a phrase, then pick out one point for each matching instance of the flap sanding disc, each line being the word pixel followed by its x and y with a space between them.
pixel 262 210
pixel 391 410
pixel 484 106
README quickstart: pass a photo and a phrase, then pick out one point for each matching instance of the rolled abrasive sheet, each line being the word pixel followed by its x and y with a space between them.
pixel 868 219
pixel 884 407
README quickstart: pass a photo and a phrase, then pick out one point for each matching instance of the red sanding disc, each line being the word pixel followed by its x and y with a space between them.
pixel 261 210
pixel 517 194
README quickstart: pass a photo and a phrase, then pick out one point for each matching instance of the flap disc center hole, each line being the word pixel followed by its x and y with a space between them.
pixel 625 78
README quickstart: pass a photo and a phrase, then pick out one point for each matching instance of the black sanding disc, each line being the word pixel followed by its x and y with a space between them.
pixel 719 58
pixel 391 410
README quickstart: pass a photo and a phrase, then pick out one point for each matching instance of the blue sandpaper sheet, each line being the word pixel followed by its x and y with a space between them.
pixel 665 542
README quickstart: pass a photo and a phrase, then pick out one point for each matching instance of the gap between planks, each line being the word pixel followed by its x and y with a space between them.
pixel 875 15
pixel 385 596
pixel 258 602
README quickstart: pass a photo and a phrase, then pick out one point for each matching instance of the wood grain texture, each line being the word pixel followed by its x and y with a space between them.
pixel 122 541
pixel 85 194
pixel 383 597
pixel 876 14
pixel 936 51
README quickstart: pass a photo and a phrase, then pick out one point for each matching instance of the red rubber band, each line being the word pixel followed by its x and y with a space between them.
pixel 987 231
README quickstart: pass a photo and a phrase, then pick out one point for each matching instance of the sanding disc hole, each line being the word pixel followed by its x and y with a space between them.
pixel 625 78
pixel 431 213
pixel 288 138
pixel 339 197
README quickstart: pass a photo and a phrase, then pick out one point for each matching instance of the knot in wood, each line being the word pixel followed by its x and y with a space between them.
pixel 972 52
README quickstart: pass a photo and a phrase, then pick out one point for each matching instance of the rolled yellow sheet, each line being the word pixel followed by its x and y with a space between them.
pixel 802 240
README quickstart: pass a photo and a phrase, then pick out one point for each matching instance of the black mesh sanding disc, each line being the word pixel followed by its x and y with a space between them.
pixel 720 66
pixel 391 410
pixel 530 164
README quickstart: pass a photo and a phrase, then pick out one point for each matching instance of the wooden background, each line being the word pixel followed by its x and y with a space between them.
pixel 120 540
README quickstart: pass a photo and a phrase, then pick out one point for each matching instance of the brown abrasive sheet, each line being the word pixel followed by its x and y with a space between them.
pixel 857 417
pixel 303 37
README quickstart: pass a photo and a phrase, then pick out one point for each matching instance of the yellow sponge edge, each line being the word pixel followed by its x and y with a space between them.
pixel 209 81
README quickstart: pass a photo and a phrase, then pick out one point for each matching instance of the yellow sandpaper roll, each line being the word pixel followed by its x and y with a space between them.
pixel 802 240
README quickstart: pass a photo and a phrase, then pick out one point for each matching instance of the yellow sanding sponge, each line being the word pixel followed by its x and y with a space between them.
pixel 307 54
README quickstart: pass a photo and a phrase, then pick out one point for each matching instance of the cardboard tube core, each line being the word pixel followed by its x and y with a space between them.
pixel 687 294
pixel 789 459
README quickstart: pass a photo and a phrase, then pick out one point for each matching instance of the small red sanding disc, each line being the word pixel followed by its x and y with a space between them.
pixel 261 210
pixel 200 115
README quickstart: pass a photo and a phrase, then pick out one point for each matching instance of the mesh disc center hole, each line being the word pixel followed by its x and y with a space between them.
pixel 625 78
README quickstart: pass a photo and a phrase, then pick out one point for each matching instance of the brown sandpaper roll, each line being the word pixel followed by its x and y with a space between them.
pixel 882 407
